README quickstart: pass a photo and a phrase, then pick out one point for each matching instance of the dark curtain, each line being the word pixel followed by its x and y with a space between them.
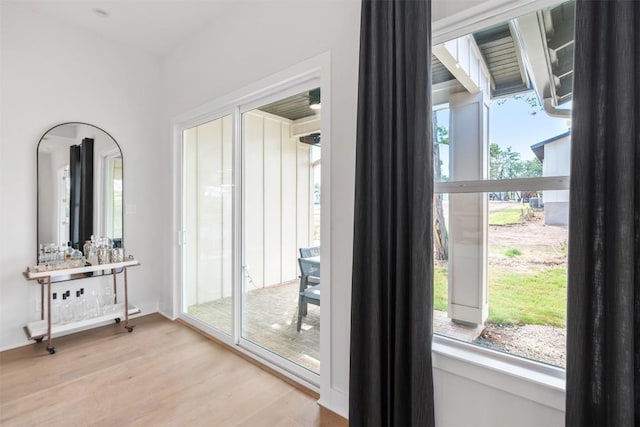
pixel 86 192
pixel 75 172
pixel 391 380
pixel 81 192
pixel 603 312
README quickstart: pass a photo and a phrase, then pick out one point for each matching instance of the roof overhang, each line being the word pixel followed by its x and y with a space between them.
pixel 530 53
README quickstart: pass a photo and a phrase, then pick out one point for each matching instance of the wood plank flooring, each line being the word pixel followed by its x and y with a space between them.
pixel 161 374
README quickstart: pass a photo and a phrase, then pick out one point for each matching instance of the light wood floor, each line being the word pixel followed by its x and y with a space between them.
pixel 161 374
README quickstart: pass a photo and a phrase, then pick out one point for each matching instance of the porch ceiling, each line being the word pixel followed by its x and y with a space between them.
pixel 533 52
pixel 293 108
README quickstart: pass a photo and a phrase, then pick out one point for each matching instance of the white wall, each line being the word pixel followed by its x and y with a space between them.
pixel 461 401
pixel 52 73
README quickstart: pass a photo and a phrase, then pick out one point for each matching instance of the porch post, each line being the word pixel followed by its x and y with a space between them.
pixel 468 213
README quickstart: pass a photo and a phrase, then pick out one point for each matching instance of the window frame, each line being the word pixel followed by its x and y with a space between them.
pixel 533 380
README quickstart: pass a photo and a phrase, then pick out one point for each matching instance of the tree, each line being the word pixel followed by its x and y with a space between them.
pixel 506 164
pixel 532 168
pixel 440 234
pixel 530 98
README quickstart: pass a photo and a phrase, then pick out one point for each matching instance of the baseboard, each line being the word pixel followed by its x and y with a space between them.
pixel 337 402
pixel 166 315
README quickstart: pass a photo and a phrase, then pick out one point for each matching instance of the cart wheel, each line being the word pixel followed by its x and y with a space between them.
pixel 117 320
pixel 130 328
pixel 38 339
pixel 52 350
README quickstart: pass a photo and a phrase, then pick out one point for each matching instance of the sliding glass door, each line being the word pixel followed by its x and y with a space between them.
pixel 251 196
pixel 281 199
pixel 208 223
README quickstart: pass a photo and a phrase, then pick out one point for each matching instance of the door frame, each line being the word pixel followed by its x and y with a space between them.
pixel 314 71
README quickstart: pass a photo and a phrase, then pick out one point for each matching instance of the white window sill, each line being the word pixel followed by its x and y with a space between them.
pixel 544 384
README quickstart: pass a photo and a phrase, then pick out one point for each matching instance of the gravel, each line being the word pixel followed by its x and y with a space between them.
pixel 542 343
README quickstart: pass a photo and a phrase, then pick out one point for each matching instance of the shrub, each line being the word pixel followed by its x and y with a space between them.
pixel 511 252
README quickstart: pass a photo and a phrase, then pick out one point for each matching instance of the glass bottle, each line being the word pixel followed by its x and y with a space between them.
pixel 68 251
pixel 86 249
pixel 41 255
pixel 85 304
pixel 67 309
pixel 55 309
pixel 78 308
pixel 94 308
pixel 108 300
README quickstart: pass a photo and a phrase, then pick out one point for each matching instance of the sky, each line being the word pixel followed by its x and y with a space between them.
pixel 512 124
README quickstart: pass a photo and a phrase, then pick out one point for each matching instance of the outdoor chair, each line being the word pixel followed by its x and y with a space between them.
pixel 309 292
pixel 309 252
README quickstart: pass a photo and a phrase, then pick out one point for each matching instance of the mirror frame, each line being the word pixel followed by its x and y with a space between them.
pixel 38 207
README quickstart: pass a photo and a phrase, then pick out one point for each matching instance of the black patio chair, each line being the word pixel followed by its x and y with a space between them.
pixel 309 252
pixel 309 292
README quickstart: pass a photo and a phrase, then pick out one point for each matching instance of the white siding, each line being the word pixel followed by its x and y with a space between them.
pixel 557 162
pixel 277 172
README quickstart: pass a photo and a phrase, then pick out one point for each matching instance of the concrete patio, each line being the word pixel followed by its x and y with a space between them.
pixel 270 321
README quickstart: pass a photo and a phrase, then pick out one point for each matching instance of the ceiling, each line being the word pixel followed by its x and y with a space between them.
pixel 153 26
pixel 533 52
pixel 556 27
pixel 159 26
pixel 504 61
pixel 293 108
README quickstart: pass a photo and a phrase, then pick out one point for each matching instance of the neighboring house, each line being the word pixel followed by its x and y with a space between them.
pixel 554 153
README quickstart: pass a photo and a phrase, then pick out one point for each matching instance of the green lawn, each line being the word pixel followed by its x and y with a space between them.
pixel 440 295
pixel 506 216
pixel 538 297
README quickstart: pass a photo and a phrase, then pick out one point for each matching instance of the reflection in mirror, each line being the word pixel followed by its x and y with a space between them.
pixel 79 186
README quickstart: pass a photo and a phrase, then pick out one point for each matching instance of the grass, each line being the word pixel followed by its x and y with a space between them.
pixel 506 216
pixel 537 297
pixel 441 288
pixel 511 252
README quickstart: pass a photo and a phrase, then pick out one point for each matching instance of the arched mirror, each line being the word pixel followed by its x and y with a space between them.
pixel 80 187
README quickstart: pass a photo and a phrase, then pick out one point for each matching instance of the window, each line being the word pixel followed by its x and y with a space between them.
pixel 113 197
pixel 64 196
pixel 501 153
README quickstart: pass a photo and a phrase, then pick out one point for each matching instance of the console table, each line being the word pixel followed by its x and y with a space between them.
pixel 42 328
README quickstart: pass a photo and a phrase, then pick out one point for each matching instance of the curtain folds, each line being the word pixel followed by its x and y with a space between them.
pixel 603 313
pixel 391 379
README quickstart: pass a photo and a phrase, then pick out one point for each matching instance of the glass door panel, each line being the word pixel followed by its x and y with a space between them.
pixel 208 223
pixel 281 208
